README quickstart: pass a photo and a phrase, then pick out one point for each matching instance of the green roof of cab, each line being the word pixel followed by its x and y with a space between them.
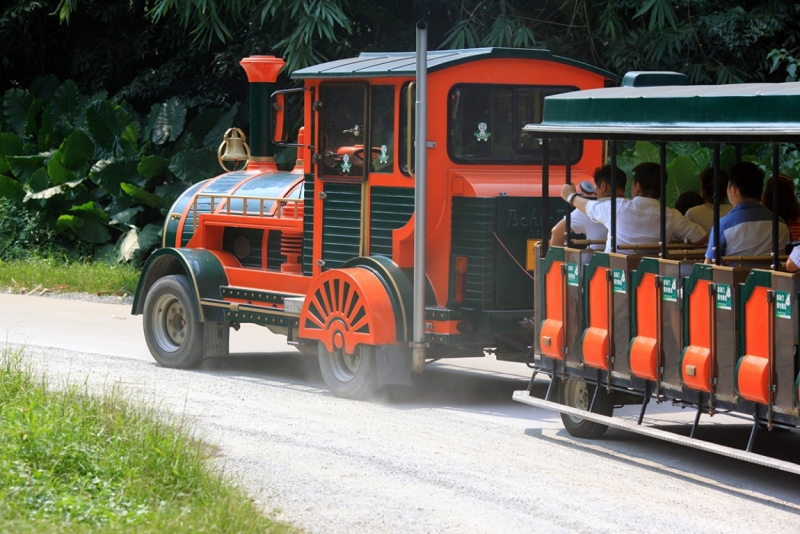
pixel 385 64
pixel 741 112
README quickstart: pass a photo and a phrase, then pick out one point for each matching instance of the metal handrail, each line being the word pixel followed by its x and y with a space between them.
pixel 261 201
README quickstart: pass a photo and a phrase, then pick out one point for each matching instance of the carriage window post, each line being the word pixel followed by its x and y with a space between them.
pixel 612 150
pixel 568 178
pixel 663 194
pixel 545 195
pixel 717 198
pixel 776 170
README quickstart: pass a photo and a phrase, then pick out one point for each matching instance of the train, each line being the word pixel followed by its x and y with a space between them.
pixel 325 253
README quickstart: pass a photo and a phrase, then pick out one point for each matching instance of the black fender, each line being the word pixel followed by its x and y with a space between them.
pixel 206 276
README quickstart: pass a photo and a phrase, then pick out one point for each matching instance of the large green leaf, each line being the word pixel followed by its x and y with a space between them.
pixel 134 244
pixel 126 216
pixel 213 137
pixel 24 166
pixel 129 139
pixel 77 149
pixel 645 152
pixel 66 100
pixel 194 165
pixel 106 121
pixel 8 232
pixel 683 175
pixel 45 87
pixel 39 180
pixel 88 230
pixel 169 123
pixel 201 125
pixel 89 211
pixel 10 145
pixel 149 199
pixel 58 171
pixel 10 188
pixel 46 133
pixel 44 194
pixel 150 166
pixel 16 103
pixel 32 125
pixel 109 174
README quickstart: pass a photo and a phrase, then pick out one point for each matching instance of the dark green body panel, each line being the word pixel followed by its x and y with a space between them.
pixel 205 272
pixel 390 208
pixel 341 223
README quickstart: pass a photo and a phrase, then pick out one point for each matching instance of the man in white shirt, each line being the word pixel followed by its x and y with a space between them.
pixel 638 218
pixel 580 222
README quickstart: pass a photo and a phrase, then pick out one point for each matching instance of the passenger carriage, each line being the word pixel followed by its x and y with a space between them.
pixel 658 324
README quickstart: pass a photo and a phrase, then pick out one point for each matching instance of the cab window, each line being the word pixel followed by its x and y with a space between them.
pixel 485 125
pixel 343 130
pixel 382 129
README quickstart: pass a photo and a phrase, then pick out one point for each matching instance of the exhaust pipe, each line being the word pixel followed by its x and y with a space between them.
pixel 420 200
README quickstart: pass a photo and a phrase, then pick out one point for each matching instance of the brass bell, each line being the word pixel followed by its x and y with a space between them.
pixel 233 148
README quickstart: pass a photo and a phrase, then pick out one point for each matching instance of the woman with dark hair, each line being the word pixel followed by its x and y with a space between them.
pixel 788 207
pixel 704 213
pixel 688 200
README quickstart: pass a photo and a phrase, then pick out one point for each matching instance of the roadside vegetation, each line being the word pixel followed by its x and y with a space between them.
pixel 72 462
pixel 56 274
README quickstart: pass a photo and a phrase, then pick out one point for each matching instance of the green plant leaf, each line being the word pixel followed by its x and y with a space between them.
pixel 33 115
pixel 89 211
pixel 644 152
pixel 126 216
pixel 10 188
pixel 194 165
pixel 77 149
pixel 683 175
pixel 169 122
pixel 149 199
pixel 8 232
pixel 10 145
pixel 213 137
pixel 39 180
pixel 150 166
pixel 24 166
pixel 106 122
pixel 66 100
pixel 50 192
pixel 88 230
pixel 129 139
pixel 68 222
pixel 16 103
pixel 59 173
pixel 135 244
pixel 110 173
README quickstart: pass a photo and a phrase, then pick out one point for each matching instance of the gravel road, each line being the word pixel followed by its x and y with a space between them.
pixel 452 454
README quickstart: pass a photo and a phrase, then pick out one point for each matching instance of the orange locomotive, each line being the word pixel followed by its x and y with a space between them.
pixel 324 253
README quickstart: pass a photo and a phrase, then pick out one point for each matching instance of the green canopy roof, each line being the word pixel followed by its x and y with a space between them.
pixel 761 112
pixel 374 64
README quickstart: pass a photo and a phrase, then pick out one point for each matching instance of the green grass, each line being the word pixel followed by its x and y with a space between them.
pixel 52 274
pixel 71 462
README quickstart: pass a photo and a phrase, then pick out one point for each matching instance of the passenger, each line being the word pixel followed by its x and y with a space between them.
pixel 747 229
pixel 793 263
pixel 788 208
pixel 638 218
pixel 704 215
pixel 688 200
pixel 580 222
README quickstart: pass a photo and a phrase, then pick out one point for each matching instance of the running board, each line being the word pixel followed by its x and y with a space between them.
pixel 645 430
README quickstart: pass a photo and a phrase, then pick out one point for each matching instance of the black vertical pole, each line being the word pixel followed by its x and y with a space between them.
pixel 612 149
pixel 663 195
pixel 569 181
pixel 776 170
pixel 545 195
pixel 717 201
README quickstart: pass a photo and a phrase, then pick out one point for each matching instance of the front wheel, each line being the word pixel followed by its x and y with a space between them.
pixel 351 376
pixel 172 328
pixel 578 394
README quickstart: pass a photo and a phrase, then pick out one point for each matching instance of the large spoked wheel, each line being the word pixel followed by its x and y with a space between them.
pixel 172 328
pixel 578 394
pixel 351 376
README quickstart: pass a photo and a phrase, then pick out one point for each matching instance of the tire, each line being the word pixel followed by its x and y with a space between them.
pixel 578 394
pixel 349 376
pixel 172 328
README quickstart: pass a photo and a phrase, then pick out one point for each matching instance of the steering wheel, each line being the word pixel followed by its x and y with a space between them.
pixel 359 153
pixel 332 159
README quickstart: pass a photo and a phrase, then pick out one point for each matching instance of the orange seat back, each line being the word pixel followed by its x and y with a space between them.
pixel 643 356
pixel 594 345
pixel 551 331
pixel 696 360
pixel 752 370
